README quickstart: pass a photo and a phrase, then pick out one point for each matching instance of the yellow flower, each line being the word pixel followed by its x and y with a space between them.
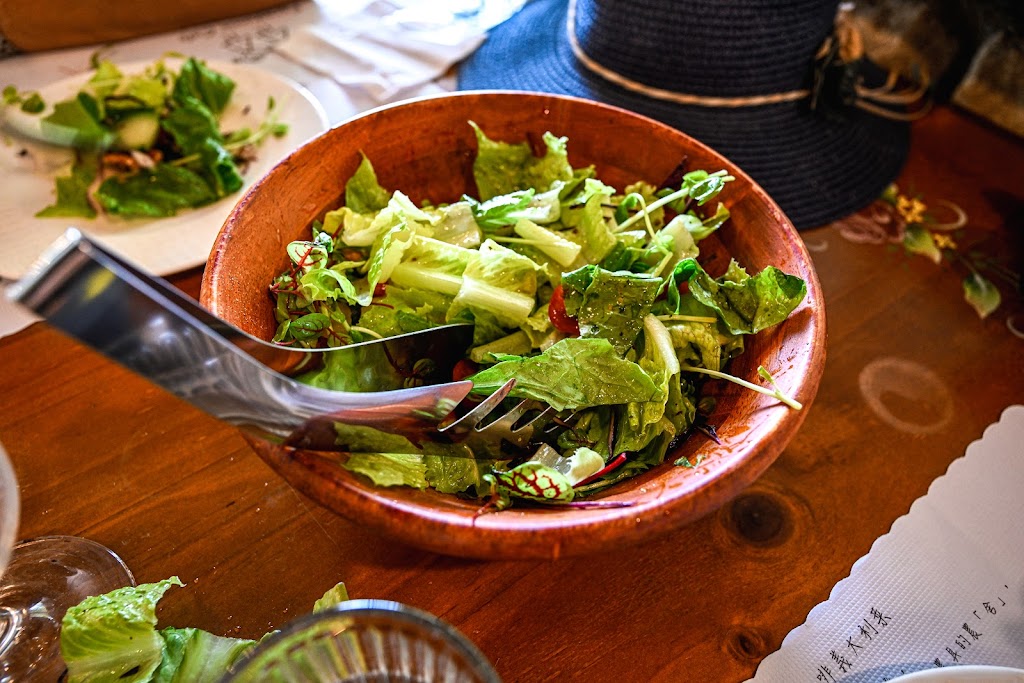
pixel 943 241
pixel 911 210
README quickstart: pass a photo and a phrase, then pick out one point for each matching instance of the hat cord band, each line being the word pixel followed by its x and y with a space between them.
pixel 671 95
pixel 877 101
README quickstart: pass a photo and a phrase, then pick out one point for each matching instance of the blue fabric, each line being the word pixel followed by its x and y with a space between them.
pixel 817 170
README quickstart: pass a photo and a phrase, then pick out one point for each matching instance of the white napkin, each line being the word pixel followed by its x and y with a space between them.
pixel 945 587
pixel 385 50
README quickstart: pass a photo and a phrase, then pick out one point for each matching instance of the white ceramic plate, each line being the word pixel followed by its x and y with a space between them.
pixel 964 674
pixel 161 246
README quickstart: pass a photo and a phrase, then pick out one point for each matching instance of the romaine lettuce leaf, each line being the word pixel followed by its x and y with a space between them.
pixel 386 254
pixel 748 304
pixel 609 305
pixel 501 168
pixel 192 655
pixel 499 282
pixel 335 596
pixel 403 310
pixel 363 194
pixel 573 373
pixel 389 469
pixel 641 421
pixel 113 637
pixel 597 238
pixel 455 474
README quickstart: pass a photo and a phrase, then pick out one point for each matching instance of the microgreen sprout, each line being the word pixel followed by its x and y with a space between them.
pixel 775 391
pixel 668 199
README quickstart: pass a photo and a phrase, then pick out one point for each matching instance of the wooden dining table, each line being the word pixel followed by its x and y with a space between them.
pixel 913 376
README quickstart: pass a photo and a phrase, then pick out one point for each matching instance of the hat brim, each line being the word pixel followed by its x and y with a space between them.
pixel 817 170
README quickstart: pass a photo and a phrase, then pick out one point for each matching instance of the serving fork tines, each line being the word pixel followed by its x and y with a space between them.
pixel 153 329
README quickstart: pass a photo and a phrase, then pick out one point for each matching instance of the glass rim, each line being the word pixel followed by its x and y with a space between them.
pixel 373 607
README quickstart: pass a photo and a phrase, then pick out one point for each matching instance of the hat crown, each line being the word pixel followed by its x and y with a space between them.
pixel 730 48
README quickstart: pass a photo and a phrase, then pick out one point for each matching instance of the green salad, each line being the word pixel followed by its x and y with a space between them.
pixel 148 144
pixel 113 638
pixel 592 298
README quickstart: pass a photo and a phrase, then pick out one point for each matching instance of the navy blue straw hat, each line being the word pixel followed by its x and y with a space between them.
pixel 741 76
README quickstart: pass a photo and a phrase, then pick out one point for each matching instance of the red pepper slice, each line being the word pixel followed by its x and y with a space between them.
pixel 562 321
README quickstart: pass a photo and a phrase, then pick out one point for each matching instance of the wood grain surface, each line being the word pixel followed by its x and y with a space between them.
pixel 912 377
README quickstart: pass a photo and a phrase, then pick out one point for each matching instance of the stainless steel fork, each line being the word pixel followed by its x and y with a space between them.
pixel 151 328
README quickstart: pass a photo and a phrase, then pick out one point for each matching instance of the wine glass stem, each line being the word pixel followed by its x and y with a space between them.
pixel 10 624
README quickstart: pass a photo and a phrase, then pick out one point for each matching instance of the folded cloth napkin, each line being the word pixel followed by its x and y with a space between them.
pixel 386 50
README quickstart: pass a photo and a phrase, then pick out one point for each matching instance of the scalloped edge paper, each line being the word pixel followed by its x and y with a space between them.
pixel 944 587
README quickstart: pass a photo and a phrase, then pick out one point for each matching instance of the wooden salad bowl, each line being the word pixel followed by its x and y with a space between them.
pixel 425 148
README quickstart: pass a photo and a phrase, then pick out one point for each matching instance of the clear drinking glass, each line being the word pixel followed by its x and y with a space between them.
pixel 365 641
pixel 39 580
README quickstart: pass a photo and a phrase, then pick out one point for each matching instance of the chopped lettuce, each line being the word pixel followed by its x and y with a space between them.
pixel 748 304
pixel 573 373
pixel 501 168
pixel 192 655
pixel 390 469
pixel 363 194
pixel 112 638
pixel 591 299
pixel 610 305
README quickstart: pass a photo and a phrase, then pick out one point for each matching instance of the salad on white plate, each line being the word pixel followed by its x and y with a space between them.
pixel 146 157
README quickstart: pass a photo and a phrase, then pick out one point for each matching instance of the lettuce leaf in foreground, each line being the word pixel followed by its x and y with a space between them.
pixel 192 655
pixel 112 638
pixel 73 192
